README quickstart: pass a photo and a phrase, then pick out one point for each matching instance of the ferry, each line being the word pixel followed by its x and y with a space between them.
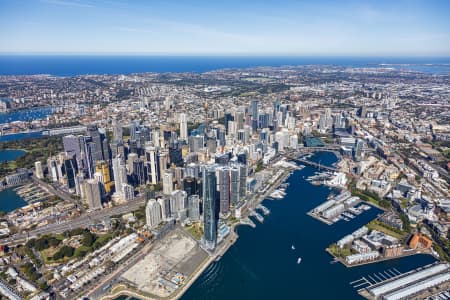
pixel 299 260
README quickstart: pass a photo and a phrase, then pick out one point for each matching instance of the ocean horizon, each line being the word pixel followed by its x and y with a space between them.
pixel 74 65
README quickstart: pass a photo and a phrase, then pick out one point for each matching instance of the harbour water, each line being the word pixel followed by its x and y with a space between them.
pixel 10 154
pixel 9 200
pixel 26 114
pixel 262 264
pixel 20 136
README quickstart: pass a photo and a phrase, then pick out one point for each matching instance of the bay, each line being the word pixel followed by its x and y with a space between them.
pixel 262 265
pixel 10 154
pixel 9 200
pixel 26 114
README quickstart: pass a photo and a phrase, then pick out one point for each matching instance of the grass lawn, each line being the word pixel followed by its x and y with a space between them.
pixel 195 230
pixel 375 226
pixel 48 253
pixel 336 251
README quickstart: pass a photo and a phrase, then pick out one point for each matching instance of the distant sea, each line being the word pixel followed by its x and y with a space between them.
pixel 72 65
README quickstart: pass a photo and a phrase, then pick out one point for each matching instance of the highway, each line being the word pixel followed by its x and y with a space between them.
pixel 83 220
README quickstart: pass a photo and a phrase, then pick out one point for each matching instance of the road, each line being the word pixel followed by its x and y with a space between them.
pixel 83 220
pixel 97 291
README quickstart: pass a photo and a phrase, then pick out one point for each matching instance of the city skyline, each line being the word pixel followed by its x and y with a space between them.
pixel 199 28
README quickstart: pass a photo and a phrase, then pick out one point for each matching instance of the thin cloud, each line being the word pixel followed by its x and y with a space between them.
pixel 69 3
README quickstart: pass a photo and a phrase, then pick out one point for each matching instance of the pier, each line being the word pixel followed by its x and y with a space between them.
pixel 264 209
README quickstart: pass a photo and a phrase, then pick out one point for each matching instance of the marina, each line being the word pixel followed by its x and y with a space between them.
pixel 32 193
pixel 264 209
pixel 340 207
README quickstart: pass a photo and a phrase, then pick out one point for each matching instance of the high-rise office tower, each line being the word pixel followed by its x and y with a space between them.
pixel 117 130
pixel 167 183
pixel 234 185
pixel 165 208
pixel 120 174
pixel 210 217
pixel 53 169
pixel 92 193
pixel 183 127
pixel 96 149
pixel 194 207
pixel 358 149
pixel 239 120
pixel 86 156
pixel 175 155
pixel 196 143
pixel 227 118
pixel 102 167
pixel 190 186
pixel 38 172
pixel 153 213
pixel 178 201
pixel 138 172
pixel 242 181
pixel 71 144
pixel 163 162
pixel 151 158
pixel 223 186
pixel 127 192
pixel 254 115
pixel 70 167
pixel 131 158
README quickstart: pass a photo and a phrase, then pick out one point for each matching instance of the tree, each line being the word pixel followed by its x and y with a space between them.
pixel 88 238
pixel 65 251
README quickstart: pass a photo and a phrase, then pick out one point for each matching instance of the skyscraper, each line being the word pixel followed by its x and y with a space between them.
pixel 165 208
pixel 167 183
pixel 86 155
pixel 71 144
pixel 102 167
pixel 117 131
pixel 70 168
pixel 358 149
pixel 183 127
pixel 153 213
pixel 138 172
pixel 242 181
pixel 194 208
pixel 254 114
pixel 39 173
pixel 234 185
pixel 210 217
pixel 127 192
pixel 120 174
pixel 92 193
pixel 223 186
pixel 152 165
pixel 96 149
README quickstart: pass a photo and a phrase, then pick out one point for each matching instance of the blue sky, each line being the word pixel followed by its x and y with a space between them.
pixel 366 28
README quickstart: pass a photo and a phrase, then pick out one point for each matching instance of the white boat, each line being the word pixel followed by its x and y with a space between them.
pixel 293 247
pixel 299 260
